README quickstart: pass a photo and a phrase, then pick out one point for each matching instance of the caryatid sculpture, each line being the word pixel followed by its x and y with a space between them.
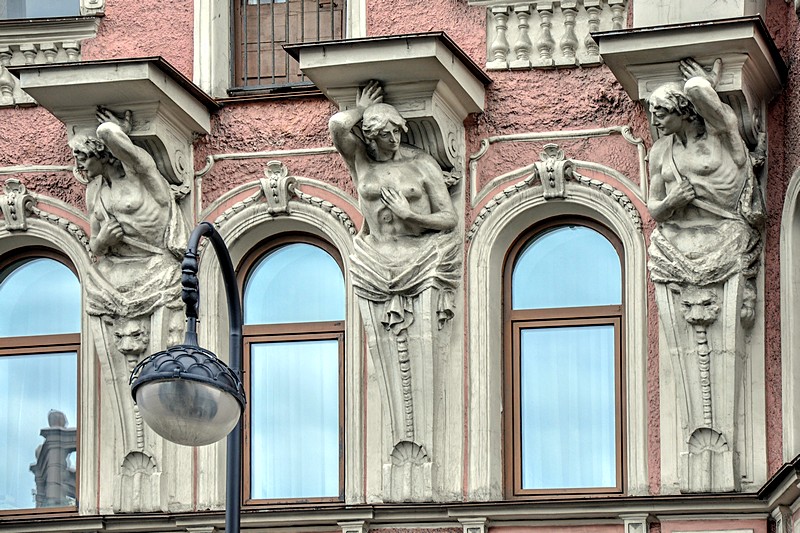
pixel 405 270
pixel 704 258
pixel 138 235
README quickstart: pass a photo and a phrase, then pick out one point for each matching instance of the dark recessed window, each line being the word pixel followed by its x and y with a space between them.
pixel 262 27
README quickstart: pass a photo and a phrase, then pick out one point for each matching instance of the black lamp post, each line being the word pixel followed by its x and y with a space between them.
pixel 185 393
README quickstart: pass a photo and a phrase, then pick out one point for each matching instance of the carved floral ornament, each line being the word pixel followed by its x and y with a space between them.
pixel 553 173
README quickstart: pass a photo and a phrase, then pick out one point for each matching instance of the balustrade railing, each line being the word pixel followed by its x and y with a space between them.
pixel 548 33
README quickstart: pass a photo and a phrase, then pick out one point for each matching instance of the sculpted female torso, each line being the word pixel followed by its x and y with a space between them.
pixel 401 188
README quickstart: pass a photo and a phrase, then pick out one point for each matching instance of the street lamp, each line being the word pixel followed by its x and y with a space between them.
pixel 185 393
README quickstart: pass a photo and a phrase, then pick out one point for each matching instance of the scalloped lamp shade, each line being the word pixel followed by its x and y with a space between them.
pixel 187 395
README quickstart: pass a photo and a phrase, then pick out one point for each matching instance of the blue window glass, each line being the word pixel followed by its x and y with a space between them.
pixel 568 407
pixel 40 326
pixel 22 9
pixel 294 308
pixel 40 297
pixel 565 322
pixel 295 419
pixel 297 282
pixel 569 266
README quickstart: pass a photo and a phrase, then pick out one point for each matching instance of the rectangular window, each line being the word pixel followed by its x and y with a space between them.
pixel 28 9
pixel 295 417
pixel 566 422
pixel 261 27
pixel 38 435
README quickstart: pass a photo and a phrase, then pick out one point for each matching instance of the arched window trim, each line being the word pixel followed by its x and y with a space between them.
pixel 289 332
pixel 483 395
pixel 517 319
pixel 47 344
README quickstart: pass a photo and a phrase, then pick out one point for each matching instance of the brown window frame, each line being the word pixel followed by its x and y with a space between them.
pixel 289 332
pixel 290 20
pixel 40 345
pixel 517 320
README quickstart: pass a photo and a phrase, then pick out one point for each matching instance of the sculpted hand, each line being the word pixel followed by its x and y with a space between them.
pixel 692 69
pixel 106 115
pixel 372 94
pixel 680 195
pixel 396 202
pixel 110 234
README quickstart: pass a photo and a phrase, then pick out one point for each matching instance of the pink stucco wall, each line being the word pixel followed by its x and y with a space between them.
pixel 531 101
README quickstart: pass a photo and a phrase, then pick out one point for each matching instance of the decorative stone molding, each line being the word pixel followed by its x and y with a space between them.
pixel 41 41
pixel 474 525
pixel 168 110
pixel 790 311
pixel 553 174
pixel 548 33
pixel 499 229
pixel 636 523
pixel 362 526
pixel 430 81
pixel 643 59
pixel 479 193
pixel 15 205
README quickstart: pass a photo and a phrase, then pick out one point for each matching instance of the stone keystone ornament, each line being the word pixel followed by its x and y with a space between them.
pixel 704 258
pixel 405 270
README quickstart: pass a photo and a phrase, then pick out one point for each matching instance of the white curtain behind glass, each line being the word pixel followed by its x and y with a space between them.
pixel 295 419
pixel 568 420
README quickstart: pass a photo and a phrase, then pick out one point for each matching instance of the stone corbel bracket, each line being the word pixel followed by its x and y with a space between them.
pixel 168 110
pixel 431 81
pixel 753 72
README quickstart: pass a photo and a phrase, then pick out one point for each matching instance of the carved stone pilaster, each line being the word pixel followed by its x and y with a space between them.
pixel 16 205
pixel 409 315
pixel 356 526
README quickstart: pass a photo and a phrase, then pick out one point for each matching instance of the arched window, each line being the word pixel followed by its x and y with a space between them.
pixel 39 342
pixel 563 344
pixel 294 310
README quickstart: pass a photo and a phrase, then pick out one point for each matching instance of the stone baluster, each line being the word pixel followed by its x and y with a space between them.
pixel 593 11
pixel 5 55
pixel 523 45
pixel 498 51
pixel 569 41
pixel 50 51
pixel 29 51
pixel 617 13
pixel 545 43
pixel 6 87
pixel 73 50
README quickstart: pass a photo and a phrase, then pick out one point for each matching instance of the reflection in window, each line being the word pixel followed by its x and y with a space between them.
pixel 294 307
pixel 38 383
pixel 27 9
pixel 563 407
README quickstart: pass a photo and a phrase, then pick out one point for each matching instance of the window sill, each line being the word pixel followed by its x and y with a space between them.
pixel 255 94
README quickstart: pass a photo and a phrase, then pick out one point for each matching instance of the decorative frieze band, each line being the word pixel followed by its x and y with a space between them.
pixel 548 33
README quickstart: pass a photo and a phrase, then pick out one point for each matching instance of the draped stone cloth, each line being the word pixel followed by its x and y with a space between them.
pixel 144 277
pixel 430 260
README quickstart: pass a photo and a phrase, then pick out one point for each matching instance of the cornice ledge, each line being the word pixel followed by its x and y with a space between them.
pixel 642 59
pixel 30 31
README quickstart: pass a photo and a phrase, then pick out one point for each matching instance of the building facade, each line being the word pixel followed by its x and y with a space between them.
pixel 504 266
